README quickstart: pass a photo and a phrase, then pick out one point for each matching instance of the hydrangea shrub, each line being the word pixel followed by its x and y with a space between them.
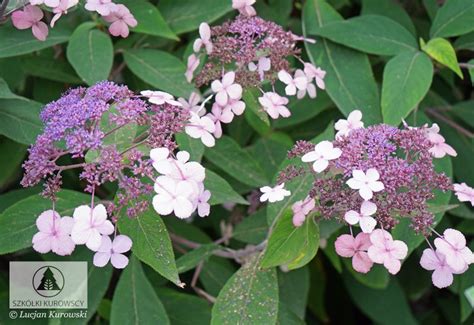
pixel 255 162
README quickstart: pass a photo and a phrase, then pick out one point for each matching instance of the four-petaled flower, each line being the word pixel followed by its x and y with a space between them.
pixel 264 64
pixel 366 183
pixel 464 193
pixel 160 97
pixel 317 73
pixel 442 276
pixel 301 209
pixel 244 7
pixel 30 17
pixel 274 194
pixel 384 250
pixel 292 84
pixel 205 39
pixel 89 225
pixel 201 128
pixel 121 19
pixel 440 147
pixel 348 246
pixel 274 104
pixel 353 122
pixel 364 219
pixel 54 234
pixel 113 251
pixel 453 246
pixel 226 89
pixel 321 155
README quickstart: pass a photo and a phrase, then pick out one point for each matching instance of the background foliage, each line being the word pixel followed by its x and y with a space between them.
pixel 393 60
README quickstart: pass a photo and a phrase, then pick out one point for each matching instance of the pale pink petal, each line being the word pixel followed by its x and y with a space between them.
pixel 376 254
pixel 106 228
pixel 183 208
pixel 234 91
pixel 41 242
pixel 310 156
pixel 429 260
pixel 368 208
pixel 455 238
pixel 392 265
pixel 44 222
pixel 105 245
pixel 94 240
pixel 367 224
pixel 362 241
pixel 442 278
pixel 366 193
pixel 352 217
pixel 345 246
pixel 376 186
pixel 320 165
pixel 101 259
pixel 119 261
pixel 63 245
pixel 361 262
pixel 399 249
pixel 228 79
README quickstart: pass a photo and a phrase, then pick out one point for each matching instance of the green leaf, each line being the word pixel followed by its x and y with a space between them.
pixel 251 102
pixel 349 80
pixel 191 259
pixel 195 147
pixel 160 69
pixel 11 197
pixel 291 245
pixel 197 311
pixel 238 163
pixel 252 229
pixel 465 42
pixel 19 120
pixel 293 288
pixel 371 34
pixel 14 42
pixel 5 92
pixel 186 15
pixel 135 300
pixel 387 306
pixel 221 191
pixel 215 274
pixel 151 243
pixel 471 70
pixel 304 109
pixel 91 53
pixel 50 68
pixel 10 159
pixel 406 80
pixel 150 21
pixel 249 297
pixel 17 222
pixel 270 153
pixel 443 52
pixel 455 17
pixel 300 186
pixel 390 9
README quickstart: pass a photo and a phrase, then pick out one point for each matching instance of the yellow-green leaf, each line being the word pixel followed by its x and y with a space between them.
pixel 443 52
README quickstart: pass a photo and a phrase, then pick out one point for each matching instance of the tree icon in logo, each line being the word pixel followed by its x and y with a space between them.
pixel 48 282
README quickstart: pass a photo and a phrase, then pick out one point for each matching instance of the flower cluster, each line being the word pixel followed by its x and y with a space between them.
pixel 372 177
pixel 31 16
pixel 115 136
pixel 88 226
pixel 180 187
pixel 241 55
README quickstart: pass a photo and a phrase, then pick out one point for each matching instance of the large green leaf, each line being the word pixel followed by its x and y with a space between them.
pixel 195 147
pixel 455 17
pixel 349 80
pixel 390 9
pixel 198 311
pixel 252 229
pixel 289 245
pixel 14 42
pixel 50 68
pixel 186 15
pixel 270 153
pixel 293 288
pixel 5 92
pixel 19 120
pixel 160 69
pixel 135 300
pixel 300 186
pixel 11 197
pixel 465 42
pixel 371 34
pixel 406 80
pixel 249 297
pixel 443 52
pixel 17 222
pixel 191 259
pixel 10 159
pixel 215 274
pixel 91 53
pixel 150 21
pixel 221 191
pixel 238 163
pixel 388 306
pixel 151 243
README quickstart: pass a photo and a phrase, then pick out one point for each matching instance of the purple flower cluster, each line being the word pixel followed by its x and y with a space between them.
pixel 406 170
pixel 81 123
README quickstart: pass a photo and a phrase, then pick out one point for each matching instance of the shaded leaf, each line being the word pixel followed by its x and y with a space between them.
pixel 221 191
pixel 455 17
pixel 390 9
pixel 19 120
